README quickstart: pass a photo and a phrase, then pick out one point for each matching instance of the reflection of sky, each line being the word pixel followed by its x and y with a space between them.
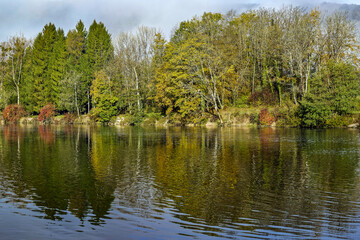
pixel 29 16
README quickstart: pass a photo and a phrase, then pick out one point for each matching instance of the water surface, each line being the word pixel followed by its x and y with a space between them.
pixel 178 183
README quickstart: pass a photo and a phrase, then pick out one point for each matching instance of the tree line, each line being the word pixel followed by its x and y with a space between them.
pixel 301 61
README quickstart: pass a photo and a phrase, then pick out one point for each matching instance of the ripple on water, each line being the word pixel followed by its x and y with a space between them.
pixel 181 184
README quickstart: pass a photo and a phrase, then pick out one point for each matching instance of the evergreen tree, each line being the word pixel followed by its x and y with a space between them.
pixel 333 93
pixel 72 92
pixel 57 67
pixel 48 61
pixel 99 51
pixel 75 44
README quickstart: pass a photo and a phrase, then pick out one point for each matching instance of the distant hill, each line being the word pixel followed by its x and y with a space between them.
pixel 353 10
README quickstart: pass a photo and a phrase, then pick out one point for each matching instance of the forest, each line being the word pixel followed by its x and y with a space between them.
pixel 290 65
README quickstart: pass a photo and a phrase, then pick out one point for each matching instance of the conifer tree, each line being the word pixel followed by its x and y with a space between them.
pixel 47 66
pixel 57 67
pixel 72 90
pixel 99 51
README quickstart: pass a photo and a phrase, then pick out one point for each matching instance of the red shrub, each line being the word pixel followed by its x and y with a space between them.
pixel 266 118
pixel 47 112
pixel 69 117
pixel 13 113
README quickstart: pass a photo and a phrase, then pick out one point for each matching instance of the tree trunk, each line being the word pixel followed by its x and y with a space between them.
pixel 88 95
pixel 137 90
pixel 76 102
pixel 307 79
pixel 109 86
pixel 18 94
pixel 279 89
pixel 294 93
pixel 218 113
pixel 253 80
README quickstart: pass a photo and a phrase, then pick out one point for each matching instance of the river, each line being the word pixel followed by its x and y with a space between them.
pixel 178 183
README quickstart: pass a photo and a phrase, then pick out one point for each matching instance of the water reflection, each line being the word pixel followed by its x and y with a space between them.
pixel 226 182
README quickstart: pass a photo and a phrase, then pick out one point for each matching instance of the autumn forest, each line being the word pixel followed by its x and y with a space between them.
pixel 290 65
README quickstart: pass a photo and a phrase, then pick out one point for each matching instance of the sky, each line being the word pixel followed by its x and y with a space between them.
pixel 28 17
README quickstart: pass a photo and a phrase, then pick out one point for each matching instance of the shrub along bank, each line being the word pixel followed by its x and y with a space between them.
pixel 285 116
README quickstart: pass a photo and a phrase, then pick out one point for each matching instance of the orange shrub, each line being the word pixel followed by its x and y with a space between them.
pixel 266 118
pixel 13 113
pixel 69 117
pixel 47 112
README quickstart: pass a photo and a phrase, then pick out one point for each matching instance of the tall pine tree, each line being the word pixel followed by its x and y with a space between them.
pixel 48 61
pixel 99 51
pixel 72 91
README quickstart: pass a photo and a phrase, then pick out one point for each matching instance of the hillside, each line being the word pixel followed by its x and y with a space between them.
pixel 353 10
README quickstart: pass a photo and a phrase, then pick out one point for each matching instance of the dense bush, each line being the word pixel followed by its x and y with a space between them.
pixel 264 97
pixel 338 121
pixel 287 115
pixel 105 104
pixel 254 118
pixel 69 117
pixel 332 96
pixel 154 115
pixel 266 118
pixel 13 113
pixel 314 113
pixel 47 112
pixel 105 109
pixel 137 118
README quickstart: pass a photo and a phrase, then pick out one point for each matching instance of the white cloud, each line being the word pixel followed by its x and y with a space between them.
pixel 29 16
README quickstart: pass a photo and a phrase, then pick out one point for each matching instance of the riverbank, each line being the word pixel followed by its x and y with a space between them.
pixel 232 117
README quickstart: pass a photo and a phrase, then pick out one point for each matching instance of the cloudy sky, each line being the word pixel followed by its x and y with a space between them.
pixel 28 17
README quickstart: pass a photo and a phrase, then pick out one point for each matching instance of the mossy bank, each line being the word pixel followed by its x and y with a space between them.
pixel 232 117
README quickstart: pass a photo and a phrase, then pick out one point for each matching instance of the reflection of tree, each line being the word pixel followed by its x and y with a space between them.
pixel 12 132
pixel 270 161
pixel 46 134
pixel 334 172
pixel 59 177
pixel 225 175
pixel 203 176
pixel 248 178
pixel 13 136
pixel 102 189
pixel 135 169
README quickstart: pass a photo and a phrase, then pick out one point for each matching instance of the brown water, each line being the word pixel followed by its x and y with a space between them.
pixel 178 183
